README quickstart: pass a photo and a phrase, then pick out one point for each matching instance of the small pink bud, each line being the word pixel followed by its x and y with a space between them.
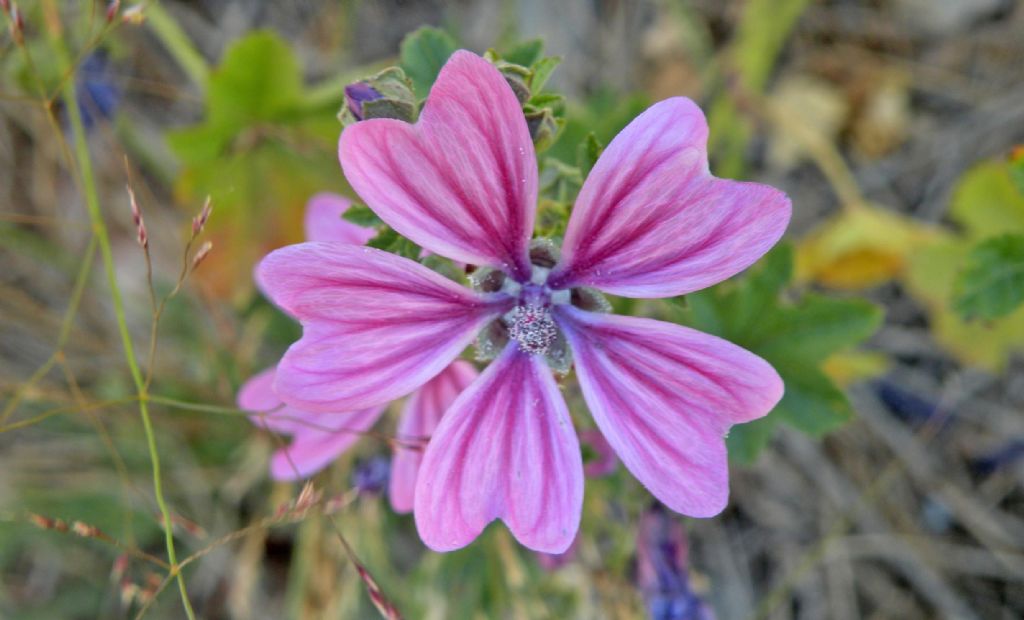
pixel 140 224
pixel 119 568
pixel 201 253
pixel 199 221
pixel 113 7
pixel 6 6
pixel 17 25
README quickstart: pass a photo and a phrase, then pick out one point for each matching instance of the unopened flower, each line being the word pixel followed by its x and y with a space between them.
pixel 662 569
pixel 650 221
pixel 319 438
pixel 371 475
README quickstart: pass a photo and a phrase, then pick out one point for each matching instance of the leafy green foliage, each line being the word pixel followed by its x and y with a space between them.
pixel 991 285
pixel 361 215
pixel 422 54
pixel 525 53
pixel 389 240
pixel 587 153
pixel 258 80
pixel 985 204
pixel 259 152
pixel 795 338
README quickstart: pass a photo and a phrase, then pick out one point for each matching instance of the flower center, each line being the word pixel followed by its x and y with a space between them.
pixel 530 322
pixel 532 327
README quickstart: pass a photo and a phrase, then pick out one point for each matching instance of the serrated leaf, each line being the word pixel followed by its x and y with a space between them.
pixel 525 53
pixel 991 285
pixel 542 70
pixel 361 215
pixel 985 204
pixel 422 54
pixel 796 338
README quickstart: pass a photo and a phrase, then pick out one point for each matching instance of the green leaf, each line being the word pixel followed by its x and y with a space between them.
pixel 588 153
pixel 815 328
pixel 991 285
pixel 423 53
pixel 986 202
pixel 525 53
pixel 795 337
pixel 745 441
pixel 361 215
pixel 390 241
pixel 812 403
pixel 259 79
pixel 542 70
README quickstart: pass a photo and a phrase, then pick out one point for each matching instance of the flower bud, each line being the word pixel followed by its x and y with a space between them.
pixel 140 225
pixel 662 571
pixel 371 475
pixel 17 24
pixel 199 221
pixel 544 127
pixel 113 7
pixel 201 253
pixel 387 94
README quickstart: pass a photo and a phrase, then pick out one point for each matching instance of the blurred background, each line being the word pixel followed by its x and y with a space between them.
pixel 887 485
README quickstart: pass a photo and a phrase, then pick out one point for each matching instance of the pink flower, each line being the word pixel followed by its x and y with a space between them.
pixel 318 438
pixel 649 222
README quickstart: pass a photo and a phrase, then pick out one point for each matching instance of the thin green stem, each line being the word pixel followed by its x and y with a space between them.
pixel 100 232
pixel 178 44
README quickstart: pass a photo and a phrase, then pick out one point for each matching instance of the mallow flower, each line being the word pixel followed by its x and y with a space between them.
pixel 319 437
pixel 650 221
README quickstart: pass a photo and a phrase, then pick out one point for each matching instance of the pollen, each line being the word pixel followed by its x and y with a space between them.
pixel 532 327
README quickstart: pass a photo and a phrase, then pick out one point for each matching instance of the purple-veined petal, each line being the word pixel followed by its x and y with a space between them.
pixel 312 449
pixel 421 415
pixel 318 437
pixel 462 181
pixel 323 221
pixel 664 396
pixel 506 449
pixel 375 325
pixel 257 395
pixel 651 221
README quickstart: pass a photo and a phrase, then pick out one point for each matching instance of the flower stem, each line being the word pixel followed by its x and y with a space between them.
pixel 100 231
pixel 178 44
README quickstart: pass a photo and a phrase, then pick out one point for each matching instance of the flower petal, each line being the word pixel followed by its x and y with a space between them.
pixel 462 181
pixel 505 450
pixel 316 448
pixel 651 221
pixel 375 326
pixel 420 417
pixel 664 396
pixel 323 221
pixel 257 395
